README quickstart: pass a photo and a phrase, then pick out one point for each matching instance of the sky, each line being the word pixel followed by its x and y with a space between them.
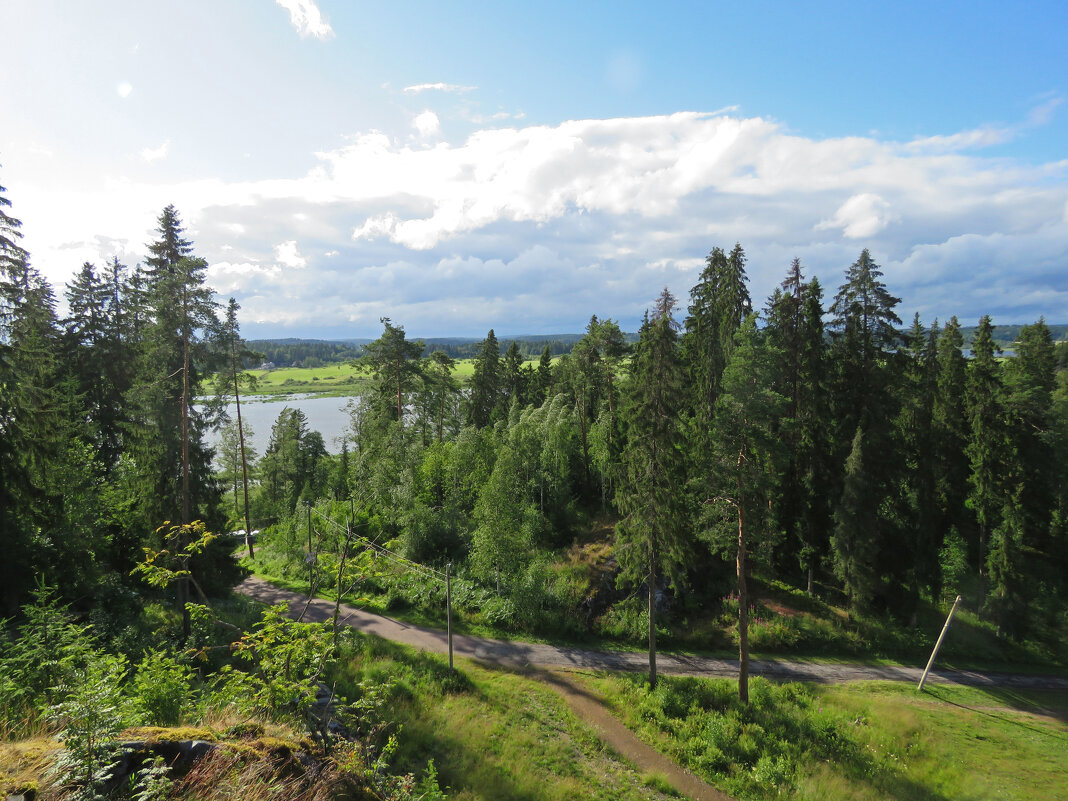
pixel 460 167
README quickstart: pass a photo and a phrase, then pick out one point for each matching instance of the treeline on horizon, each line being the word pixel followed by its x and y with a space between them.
pixel 317 352
pixel 826 445
pixel 296 352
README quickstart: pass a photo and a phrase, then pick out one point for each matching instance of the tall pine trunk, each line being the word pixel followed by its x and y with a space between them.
pixel 652 617
pixel 241 442
pixel 743 612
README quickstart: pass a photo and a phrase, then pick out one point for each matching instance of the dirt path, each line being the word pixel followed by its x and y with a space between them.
pixel 592 710
pixel 539 655
pixel 585 704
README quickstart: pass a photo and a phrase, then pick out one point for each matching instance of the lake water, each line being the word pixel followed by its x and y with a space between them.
pixel 325 415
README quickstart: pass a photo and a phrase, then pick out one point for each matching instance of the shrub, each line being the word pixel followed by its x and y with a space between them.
pixel 90 718
pixel 162 689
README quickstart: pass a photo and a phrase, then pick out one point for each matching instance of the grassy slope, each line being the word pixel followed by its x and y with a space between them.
pixel 862 741
pixel 493 735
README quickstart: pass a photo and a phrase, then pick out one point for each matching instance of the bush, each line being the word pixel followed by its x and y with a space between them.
pixel 162 690
pixel 90 718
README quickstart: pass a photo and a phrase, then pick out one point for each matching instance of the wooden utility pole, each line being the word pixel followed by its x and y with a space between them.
pixel 938 645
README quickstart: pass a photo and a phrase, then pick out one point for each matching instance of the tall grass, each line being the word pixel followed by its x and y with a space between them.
pixel 862 741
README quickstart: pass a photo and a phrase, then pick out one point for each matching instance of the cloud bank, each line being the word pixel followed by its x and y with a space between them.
pixel 532 229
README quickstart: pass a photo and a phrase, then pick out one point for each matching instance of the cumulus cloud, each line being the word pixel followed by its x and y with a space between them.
pixel 307 19
pixel 286 253
pixel 124 89
pixel 427 124
pixel 438 87
pixel 541 226
pixel 860 217
pixel 228 277
pixel 151 154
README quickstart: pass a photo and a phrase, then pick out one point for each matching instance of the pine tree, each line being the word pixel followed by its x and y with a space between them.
pixel 651 538
pixel 394 363
pixel 443 387
pixel 228 383
pixel 748 459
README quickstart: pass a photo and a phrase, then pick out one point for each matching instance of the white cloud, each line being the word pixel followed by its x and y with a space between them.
pixel 226 277
pixel 307 19
pixel 427 124
pixel 860 217
pixel 124 89
pixel 438 87
pixel 286 253
pixel 547 224
pixel 151 154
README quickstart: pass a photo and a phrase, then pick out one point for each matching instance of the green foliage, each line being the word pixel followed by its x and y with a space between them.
pixel 49 651
pixel 154 783
pixel 162 689
pixel 160 568
pixel 286 658
pixel 91 715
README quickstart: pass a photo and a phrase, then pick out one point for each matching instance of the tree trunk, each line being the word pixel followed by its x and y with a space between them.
pixel 244 463
pixel 652 619
pixel 743 614
pixel 187 514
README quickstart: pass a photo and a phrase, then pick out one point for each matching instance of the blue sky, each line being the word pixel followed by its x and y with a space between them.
pixel 523 166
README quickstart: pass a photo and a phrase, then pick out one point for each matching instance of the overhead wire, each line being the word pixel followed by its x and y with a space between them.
pixel 375 548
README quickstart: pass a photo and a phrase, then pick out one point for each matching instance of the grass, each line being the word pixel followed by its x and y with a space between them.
pixel 871 740
pixel 492 734
pixel 332 380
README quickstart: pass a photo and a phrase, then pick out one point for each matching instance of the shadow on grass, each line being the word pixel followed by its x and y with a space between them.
pixel 1013 700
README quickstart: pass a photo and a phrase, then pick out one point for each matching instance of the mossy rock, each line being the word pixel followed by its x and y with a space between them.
pixel 158 734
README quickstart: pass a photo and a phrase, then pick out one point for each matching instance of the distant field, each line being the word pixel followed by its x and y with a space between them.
pixel 333 379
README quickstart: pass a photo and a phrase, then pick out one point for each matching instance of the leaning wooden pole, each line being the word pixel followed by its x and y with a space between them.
pixel 938 645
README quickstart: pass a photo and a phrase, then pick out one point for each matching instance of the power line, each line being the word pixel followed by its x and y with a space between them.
pixel 375 548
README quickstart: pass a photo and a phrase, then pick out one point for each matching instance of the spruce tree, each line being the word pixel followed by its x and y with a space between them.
pixel 719 301
pixel 949 434
pixel 651 539
pixel 853 543
pixel 987 446
pixel 795 332
pixel 485 385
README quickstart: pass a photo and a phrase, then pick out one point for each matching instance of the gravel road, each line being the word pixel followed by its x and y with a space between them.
pixel 538 655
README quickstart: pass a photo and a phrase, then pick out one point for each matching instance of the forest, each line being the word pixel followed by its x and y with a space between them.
pixel 811 442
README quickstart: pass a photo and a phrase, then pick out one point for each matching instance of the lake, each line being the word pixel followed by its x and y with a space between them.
pixel 325 415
